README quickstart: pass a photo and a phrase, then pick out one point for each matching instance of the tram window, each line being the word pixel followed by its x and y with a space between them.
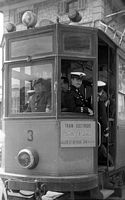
pixel 76 86
pixel 31 88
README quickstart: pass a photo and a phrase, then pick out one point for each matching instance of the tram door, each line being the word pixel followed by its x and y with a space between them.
pixel 107 103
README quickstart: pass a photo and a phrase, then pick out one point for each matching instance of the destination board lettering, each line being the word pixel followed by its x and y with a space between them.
pixel 77 134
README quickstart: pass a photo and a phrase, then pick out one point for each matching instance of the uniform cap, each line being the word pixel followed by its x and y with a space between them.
pixel 77 69
pixel 30 91
pixel 101 83
pixel 81 74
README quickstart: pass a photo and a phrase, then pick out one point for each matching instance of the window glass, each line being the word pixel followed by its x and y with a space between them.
pixel 77 86
pixel 31 88
pixel 121 86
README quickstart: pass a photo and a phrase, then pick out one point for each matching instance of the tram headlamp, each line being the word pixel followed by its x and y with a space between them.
pixel 74 16
pixel 28 158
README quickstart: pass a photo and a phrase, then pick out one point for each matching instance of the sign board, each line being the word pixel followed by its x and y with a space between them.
pixel 78 134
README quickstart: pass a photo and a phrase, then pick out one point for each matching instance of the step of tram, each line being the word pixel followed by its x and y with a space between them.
pixel 106 193
pixel 56 196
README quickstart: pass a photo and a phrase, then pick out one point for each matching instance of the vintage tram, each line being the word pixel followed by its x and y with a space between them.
pixel 53 149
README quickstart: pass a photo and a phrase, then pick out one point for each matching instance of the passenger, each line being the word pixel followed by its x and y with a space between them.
pixel 66 97
pixel 40 101
pixel 102 112
pixel 103 119
pixel 29 94
pixel 78 103
pixel 112 106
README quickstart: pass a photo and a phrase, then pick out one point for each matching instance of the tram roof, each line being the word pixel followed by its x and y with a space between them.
pixel 97 30
pixel 54 25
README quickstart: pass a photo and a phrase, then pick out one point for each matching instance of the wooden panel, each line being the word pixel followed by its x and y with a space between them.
pixel 120 158
pixel 77 43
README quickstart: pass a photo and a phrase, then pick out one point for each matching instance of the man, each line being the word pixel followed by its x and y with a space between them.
pixel 79 103
pixel 66 97
pixel 102 112
pixel 103 154
pixel 40 101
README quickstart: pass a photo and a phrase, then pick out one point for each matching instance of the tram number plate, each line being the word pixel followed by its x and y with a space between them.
pixel 78 134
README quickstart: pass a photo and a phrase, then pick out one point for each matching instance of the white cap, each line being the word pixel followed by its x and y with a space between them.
pixel 30 91
pixel 78 73
pixel 101 83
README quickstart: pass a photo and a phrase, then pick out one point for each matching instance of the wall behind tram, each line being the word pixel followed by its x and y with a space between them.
pixel 51 9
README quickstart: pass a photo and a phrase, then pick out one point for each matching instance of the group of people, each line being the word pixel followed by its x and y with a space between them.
pixel 72 100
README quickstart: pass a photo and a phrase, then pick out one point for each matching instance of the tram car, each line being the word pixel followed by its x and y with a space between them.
pixel 47 148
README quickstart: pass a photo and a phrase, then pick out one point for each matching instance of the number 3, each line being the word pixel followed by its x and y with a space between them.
pixel 30 135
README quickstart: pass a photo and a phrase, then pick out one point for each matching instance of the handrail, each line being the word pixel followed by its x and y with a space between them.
pixel 99 134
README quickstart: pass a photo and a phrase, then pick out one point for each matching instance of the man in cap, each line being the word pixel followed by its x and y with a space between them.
pixel 103 154
pixel 40 101
pixel 102 111
pixel 79 103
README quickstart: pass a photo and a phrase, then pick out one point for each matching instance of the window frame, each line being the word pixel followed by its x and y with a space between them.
pixel 76 114
pixel 8 76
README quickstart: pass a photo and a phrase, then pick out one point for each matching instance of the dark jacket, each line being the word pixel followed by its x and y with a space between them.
pixel 78 100
pixel 102 115
pixel 39 103
pixel 66 99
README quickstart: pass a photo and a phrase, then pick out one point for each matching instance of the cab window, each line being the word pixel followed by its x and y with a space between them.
pixel 77 86
pixel 30 88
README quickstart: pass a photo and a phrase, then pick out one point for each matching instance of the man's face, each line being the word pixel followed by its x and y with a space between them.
pixel 39 87
pixel 77 82
pixel 102 95
pixel 64 86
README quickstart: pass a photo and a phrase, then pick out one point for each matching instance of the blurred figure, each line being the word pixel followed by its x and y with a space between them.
pixel 40 101
pixel 66 97
pixel 103 102
pixel 102 112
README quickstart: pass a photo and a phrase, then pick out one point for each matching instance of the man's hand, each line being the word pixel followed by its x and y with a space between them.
pixel 106 132
pixel 106 135
pixel 90 111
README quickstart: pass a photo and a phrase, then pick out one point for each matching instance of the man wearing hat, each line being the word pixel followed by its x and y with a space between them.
pixel 79 103
pixel 40 101
pixel 102 110
pixel 102 118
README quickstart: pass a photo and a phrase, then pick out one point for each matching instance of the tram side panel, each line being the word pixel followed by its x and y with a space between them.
pixel 120 149
pixel 53 160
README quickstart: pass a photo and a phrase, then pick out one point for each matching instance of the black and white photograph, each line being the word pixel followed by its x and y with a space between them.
pixel 62 99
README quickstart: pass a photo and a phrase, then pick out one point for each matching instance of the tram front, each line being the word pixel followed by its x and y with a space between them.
pixel 49 108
